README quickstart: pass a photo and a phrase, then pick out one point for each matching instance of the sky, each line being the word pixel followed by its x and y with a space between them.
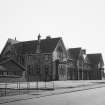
pixel 80 23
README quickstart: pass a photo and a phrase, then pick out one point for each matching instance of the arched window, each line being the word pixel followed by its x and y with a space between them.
pixel 60 53
pixel 38 69
pixel 46 68
pixel 61 70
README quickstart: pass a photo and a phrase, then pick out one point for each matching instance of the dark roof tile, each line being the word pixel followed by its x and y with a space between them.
pixel 94 58
pixel 27 47
pixel 74 53
pixel 9 64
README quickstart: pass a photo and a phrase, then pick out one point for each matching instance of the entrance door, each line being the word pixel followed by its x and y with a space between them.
pixel 56 74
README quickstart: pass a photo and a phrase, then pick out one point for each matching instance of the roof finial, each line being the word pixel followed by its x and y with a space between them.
pixel 39 36
pixel 38 44
pixel 15 38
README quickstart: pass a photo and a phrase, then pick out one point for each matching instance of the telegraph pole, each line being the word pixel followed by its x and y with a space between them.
pixel 82 71
pixel 78 68
pixel 38 54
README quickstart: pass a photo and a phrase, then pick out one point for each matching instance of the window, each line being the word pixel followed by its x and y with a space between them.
pixel 60 53
pixel 46 57
pixel 21 59
pixel 46 68
pixel 38 69
pixel 61 70
pixel 1 73
pixel 5 73
pixel 30 69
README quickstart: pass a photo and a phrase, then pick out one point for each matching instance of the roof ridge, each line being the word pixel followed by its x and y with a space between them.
pixel 95 54
pixel 37 40
pixel 46 45
pixel 76 48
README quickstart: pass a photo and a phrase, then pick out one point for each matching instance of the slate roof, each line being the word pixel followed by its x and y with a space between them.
pixel 3 58
pixel 29 47
pixel 95 58
pixel 8 64
pixel 73 53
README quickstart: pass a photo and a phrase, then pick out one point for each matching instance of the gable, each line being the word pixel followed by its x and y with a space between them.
pixel 8 64
pixel 87 60
pixel 96 59
pixel 7 48
pixel 101 63
pixel 81 57
pixel 74 53
pixel 60 47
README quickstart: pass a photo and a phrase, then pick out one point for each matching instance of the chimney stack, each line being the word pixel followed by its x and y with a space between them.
pixel 38 44
pixel 48 37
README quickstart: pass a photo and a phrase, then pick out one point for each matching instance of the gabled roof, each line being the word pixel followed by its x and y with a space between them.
pixel 29 47
pixel 8 64
pixel 3 58
pixel 74 53
pixel 2 68
pixel 95 58
pixel 11 42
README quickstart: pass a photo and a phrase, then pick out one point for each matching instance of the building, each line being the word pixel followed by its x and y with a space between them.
pixel 10 70
pixel 96 66
pixel 85 66
pixel 75 70
pixel 44 59
pixel 47 60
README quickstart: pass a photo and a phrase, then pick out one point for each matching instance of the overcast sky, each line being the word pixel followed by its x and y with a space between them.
pixel 80 23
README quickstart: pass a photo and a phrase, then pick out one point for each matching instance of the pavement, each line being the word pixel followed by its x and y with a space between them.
pixel 60 87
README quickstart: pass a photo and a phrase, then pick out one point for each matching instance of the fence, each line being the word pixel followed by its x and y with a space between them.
pixel 18 88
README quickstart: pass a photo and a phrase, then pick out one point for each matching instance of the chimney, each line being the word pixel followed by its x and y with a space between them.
pixel 48 37
pixel 39 36
pixel 38 44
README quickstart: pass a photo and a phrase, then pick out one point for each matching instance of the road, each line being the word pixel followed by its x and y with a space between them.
pixel 87 97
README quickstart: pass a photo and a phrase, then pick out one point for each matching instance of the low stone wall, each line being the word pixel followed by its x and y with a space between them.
pixel 4 80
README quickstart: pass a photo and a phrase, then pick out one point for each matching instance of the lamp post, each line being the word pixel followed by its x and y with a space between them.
pixel 69 65
pixel 46 74
pixel 38 73
pixel 52 77
pixel 78 68
pixel 82 70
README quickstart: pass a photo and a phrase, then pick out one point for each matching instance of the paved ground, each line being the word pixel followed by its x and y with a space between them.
pixel 24 87
pixel 87 97
pixel 61 87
